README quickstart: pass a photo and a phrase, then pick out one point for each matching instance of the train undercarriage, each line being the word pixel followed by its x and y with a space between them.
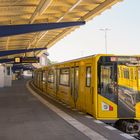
pixel 128 126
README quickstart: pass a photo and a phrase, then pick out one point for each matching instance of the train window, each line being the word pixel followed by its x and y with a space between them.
pixel 64 77
pixel 44 76
pixel 88 76
pixel 131 74
pixel 135 74
pixel 107 82
pixel 74 82
pixel 126 74
pixel 51 77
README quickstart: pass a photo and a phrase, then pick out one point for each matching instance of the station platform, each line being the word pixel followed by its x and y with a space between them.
pixel 26 114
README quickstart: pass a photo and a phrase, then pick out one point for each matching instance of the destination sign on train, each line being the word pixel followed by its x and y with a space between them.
pixel 125 59
pixel 26 59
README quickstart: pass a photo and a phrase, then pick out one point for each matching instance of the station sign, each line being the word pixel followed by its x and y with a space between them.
pixel 26 59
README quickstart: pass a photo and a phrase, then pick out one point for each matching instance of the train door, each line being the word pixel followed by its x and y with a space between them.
pixel 44 81
pixel 88 89
pixel 54 84
pixel 56 80
pixel 38 79
pixel 74 83
pixel 46 85
pixel 108 90
pixel 41 80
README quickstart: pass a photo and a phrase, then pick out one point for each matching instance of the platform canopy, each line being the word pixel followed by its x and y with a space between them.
pixel 14 12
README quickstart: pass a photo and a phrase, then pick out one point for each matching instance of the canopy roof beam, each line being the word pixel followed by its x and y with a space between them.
pixel 43 5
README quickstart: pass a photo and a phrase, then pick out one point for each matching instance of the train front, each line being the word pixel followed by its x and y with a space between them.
pixel 119 91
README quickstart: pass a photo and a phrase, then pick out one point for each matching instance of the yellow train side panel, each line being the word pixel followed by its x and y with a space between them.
pixel 137 107
pixel 103 113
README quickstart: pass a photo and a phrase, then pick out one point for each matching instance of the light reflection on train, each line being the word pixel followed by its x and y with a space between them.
pixel 129 86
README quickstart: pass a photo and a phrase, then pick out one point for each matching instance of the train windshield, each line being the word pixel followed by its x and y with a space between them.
pixel 119 82
pixel 107 82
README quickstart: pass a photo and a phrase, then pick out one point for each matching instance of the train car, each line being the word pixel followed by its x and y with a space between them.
pixel 94 85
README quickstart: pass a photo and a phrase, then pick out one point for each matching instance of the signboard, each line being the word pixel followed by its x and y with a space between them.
pixel 26 59
pixel 125 59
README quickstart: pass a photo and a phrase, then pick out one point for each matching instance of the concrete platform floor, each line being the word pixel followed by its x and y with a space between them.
pixel 23 117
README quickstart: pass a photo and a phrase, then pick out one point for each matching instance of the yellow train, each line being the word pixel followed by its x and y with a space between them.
pixel 98 86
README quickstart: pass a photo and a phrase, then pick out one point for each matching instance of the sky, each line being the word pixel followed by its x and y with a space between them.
pixel 123 20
